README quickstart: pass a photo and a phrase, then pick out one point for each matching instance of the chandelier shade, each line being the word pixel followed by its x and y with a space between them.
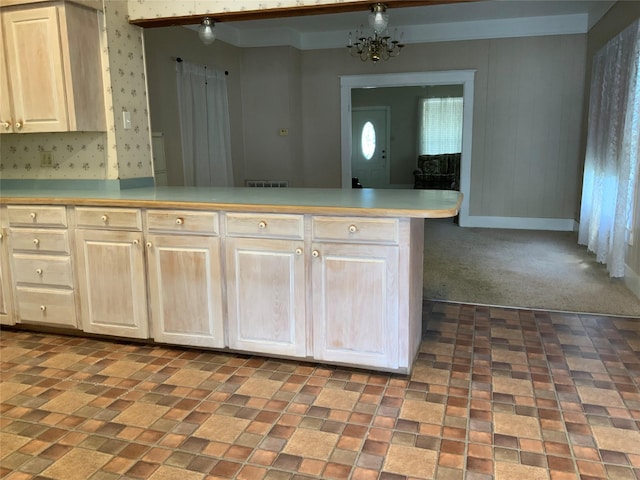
pixel 380 45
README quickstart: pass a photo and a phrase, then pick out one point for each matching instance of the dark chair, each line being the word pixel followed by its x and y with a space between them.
pixel 438 172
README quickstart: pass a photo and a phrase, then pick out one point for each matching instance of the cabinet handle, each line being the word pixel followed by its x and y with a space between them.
pixel 33 215
pixel 104 218
pixel 353 228
pixel 136 241
pixel 43 308
pixel 39 271
pixel 149 245
pixel 1 236
pixel 262 225
pixel 6 125
pixel 19 125
pixel 298 251
pixel 315 253
pixel 179 221
pixel 36 241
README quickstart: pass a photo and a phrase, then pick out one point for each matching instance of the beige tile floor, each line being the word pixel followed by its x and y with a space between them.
pixel 494 394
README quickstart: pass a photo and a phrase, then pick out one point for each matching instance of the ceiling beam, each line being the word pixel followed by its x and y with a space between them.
pixel 304 10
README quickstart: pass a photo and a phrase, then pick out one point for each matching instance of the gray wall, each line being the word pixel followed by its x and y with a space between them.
pixel 526 126
pixel 527 113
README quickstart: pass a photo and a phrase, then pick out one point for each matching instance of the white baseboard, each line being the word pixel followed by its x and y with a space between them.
pixel 521 223
pixel 632 280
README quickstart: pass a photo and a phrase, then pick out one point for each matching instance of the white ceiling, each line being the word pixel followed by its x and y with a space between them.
pixel 433 23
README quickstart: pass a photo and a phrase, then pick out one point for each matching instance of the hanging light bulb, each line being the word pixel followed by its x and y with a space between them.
pixel 206 31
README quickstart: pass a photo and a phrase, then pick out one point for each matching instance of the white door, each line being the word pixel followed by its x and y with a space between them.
pixel 369 146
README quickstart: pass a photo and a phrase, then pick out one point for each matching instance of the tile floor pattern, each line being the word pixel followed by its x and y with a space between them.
pixel 495 394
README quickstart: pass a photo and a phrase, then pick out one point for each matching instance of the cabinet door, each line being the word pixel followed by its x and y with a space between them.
pixel 185 290
pixel 112 282
pixel 6 311
pixel 266 296
pixel 6 108
pixel 355 304
pixel 33 53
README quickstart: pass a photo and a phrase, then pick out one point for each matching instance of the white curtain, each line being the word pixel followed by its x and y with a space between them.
pixel 204 125
pixel 440 125
pixel 611 162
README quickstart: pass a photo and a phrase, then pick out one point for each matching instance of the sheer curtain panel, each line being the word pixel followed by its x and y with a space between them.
pixel 204 126
pixel 440 125
pixel 611 162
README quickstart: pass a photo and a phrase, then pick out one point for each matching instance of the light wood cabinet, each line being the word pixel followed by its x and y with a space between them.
pixel 112 282
pixel 185 289
pixel 366 276
pixel 355 304
pixel 337 289
pixel 266 284
pixel 51 70
pixel 6 306
pixel 266 295
pixel 41 266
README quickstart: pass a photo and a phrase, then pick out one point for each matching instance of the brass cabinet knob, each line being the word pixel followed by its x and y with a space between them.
pixel 179 221
pixel 353 228
pixel 262 224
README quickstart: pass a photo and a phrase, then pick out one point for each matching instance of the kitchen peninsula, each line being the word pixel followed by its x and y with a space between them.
pixel 332 275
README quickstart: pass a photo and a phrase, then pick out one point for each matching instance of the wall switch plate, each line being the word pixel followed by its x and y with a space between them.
pixel 126 120
pixel 46 159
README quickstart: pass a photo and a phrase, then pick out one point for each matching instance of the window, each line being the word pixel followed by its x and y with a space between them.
pixel 368 140
pixel 440 122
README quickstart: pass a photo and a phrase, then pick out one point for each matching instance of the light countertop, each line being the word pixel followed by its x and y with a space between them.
pixel 320 201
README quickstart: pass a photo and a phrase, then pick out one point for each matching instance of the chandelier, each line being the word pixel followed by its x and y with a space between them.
pixel 380 46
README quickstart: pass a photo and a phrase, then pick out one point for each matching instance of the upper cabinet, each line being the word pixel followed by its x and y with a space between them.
pixel 51 69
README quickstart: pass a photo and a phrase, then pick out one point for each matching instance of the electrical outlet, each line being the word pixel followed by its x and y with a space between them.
pixel 46 159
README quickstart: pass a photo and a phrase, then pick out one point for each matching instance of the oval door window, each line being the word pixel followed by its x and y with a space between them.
pixel 368 140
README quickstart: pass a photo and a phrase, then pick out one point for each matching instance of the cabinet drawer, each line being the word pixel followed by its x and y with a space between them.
pixel 42 270
pixel 182 221
pixel 268 225
pixel 38 240
pixel 355 229
pixel 112 218
pixel 50 306
pixel 37 215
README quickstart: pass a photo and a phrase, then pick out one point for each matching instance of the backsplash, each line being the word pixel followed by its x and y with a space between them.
pixel 114 154
pixel 142 9
pixel 75 155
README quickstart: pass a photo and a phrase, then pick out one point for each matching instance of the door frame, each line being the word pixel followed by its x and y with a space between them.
pixel 451 77
pixel 387 140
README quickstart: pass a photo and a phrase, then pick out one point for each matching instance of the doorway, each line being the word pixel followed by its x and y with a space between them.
pixel 370 147
pixel 461 77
